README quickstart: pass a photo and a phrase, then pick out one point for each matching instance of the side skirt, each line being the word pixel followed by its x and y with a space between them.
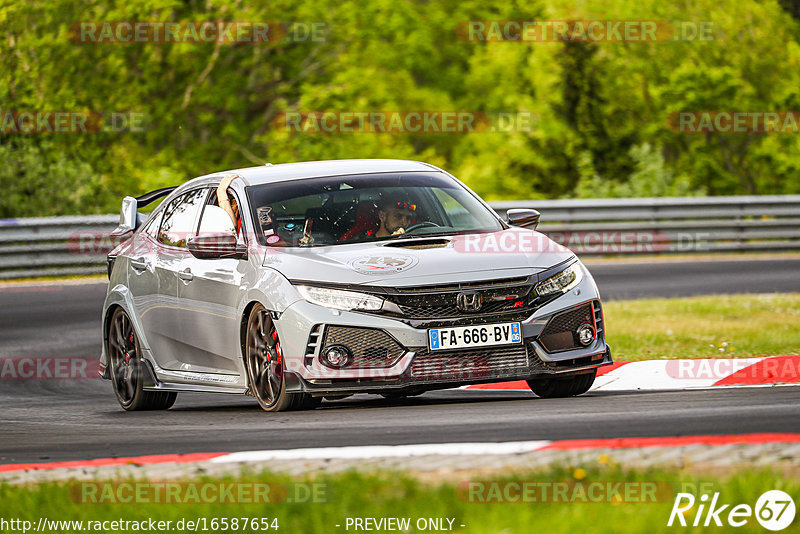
pixel 151 383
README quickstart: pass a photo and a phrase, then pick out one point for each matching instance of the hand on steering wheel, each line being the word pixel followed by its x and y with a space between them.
pixel 422 224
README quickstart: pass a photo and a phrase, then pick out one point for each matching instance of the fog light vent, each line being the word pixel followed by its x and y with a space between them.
pixel 585 334
pixel 369 347
pixel 336 356
pixel 570 329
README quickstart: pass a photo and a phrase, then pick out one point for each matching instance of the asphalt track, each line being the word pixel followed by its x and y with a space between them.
pixel 52 420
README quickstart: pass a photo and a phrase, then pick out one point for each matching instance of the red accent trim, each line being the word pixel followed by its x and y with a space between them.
pixel 516 384
pixel 674 441
pixel 132 460
pixel 780 369
pixel 608 368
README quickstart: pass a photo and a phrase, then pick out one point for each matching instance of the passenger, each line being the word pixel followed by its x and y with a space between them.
pixel 227 201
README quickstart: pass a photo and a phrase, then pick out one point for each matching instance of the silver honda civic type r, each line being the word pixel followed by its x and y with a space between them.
pixel 325 279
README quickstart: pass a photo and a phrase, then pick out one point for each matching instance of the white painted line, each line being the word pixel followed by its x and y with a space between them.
pixel 385 451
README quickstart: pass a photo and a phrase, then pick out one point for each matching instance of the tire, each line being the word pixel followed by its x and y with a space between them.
pixel 552 388
pixel 265 366
pixel 126 368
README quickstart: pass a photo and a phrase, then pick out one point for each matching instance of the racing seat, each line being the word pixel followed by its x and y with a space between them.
pixel 366 221
pixel 321 224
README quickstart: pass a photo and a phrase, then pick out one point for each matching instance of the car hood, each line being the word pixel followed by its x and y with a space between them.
pixel 421 260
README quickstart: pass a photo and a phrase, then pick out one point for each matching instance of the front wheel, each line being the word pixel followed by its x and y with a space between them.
pixel 125 360
pixel 265 366
pixel 551 388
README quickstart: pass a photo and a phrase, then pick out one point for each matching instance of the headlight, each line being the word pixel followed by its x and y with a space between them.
pixel 341 300
pixel 561 282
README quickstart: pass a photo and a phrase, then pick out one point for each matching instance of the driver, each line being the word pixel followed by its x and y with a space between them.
pixel 395 213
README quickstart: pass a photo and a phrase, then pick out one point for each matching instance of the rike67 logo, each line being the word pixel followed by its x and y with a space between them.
pixel 774 510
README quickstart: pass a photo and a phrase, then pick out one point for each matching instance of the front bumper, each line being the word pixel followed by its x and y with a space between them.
pixel 460 376
pixel 407 363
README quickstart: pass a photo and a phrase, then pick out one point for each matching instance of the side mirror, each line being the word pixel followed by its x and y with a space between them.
pixel 216 246
pixel 523 217
pixel 129 219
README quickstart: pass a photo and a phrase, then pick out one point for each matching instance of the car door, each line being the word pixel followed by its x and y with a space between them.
pixel 208 293
pixel 143 284
pixel 162 327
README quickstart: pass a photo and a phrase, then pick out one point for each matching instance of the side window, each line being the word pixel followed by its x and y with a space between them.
pixel 215 220
pixel 151 228
pixel 179 218
pixel 212 221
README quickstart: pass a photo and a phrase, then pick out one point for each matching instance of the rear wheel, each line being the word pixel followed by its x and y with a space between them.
pixel 126 364
pixel 265 366
pixel 550 388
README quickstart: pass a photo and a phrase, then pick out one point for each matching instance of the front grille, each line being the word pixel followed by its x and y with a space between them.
pixel 505 296
pixel 469 365
pixel 370 347
pixel 465 285
pixel 559 334
pixel 451 310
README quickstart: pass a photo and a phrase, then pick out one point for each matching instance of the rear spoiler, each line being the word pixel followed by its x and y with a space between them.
pixel 147 198
pixel 129 218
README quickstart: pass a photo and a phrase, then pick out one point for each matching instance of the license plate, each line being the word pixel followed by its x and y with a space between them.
pixel 463 337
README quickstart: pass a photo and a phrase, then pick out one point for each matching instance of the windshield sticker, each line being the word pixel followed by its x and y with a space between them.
pixel 379 264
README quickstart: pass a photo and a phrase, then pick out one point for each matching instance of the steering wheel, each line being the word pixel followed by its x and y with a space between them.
pixel 422 224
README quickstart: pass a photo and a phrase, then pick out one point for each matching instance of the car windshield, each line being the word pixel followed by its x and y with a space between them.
pixel 365 207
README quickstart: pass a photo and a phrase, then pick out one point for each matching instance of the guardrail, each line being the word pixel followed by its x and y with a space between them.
pixel 58 246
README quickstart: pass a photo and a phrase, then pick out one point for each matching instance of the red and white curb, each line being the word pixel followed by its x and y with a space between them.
pixel 647 375
pixel 653 375
pixel 360 454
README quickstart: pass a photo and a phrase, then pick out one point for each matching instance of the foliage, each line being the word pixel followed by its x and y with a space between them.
pixel 601 108
pixel 594 491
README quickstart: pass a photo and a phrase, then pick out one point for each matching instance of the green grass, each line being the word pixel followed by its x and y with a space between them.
pixel 397 495
pixel 735 326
